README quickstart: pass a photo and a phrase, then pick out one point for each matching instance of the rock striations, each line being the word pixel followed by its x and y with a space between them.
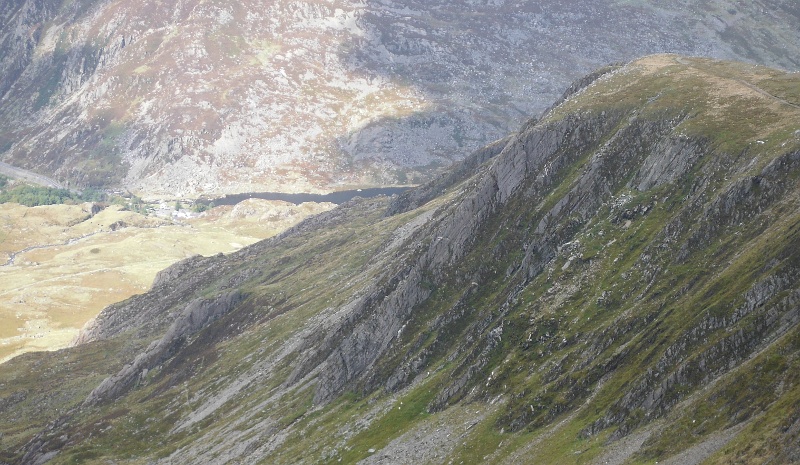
pixel 617 282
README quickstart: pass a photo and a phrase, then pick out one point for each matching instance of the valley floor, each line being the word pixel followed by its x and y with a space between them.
pixel 60 265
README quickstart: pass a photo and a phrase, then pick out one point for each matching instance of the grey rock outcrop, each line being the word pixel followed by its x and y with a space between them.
pixel 150 313
pixel 196 316
pixel 527 163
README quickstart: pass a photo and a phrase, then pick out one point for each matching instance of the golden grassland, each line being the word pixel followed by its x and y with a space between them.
pixel 61 266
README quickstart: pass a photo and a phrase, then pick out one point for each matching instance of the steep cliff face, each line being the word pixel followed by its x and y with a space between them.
pixel 616 282
pixel 181 98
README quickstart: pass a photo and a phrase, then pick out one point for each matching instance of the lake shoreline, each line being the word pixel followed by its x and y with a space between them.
pixel 338 197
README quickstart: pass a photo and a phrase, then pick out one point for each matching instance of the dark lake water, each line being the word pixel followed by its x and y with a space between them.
pixel 334 197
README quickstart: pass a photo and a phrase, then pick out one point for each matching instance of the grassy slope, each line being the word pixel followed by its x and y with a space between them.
pixel 566 303
pixel 574 339
pixel 562 304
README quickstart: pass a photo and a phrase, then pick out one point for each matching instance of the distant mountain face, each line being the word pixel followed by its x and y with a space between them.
pixel 617 282
pixel 184 97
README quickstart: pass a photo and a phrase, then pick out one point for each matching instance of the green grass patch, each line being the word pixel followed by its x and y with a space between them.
pixel 404 414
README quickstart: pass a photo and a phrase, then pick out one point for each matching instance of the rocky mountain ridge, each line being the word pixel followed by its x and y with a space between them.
pixel 617 282
pixel 182 98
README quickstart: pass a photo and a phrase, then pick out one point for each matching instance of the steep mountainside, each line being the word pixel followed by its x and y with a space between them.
pixel 617 281
pixel 182 97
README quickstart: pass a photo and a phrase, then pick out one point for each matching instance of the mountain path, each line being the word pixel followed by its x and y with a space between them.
pixel 13 255
pixel 766 94
pixel 750 86
pixel 36 178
